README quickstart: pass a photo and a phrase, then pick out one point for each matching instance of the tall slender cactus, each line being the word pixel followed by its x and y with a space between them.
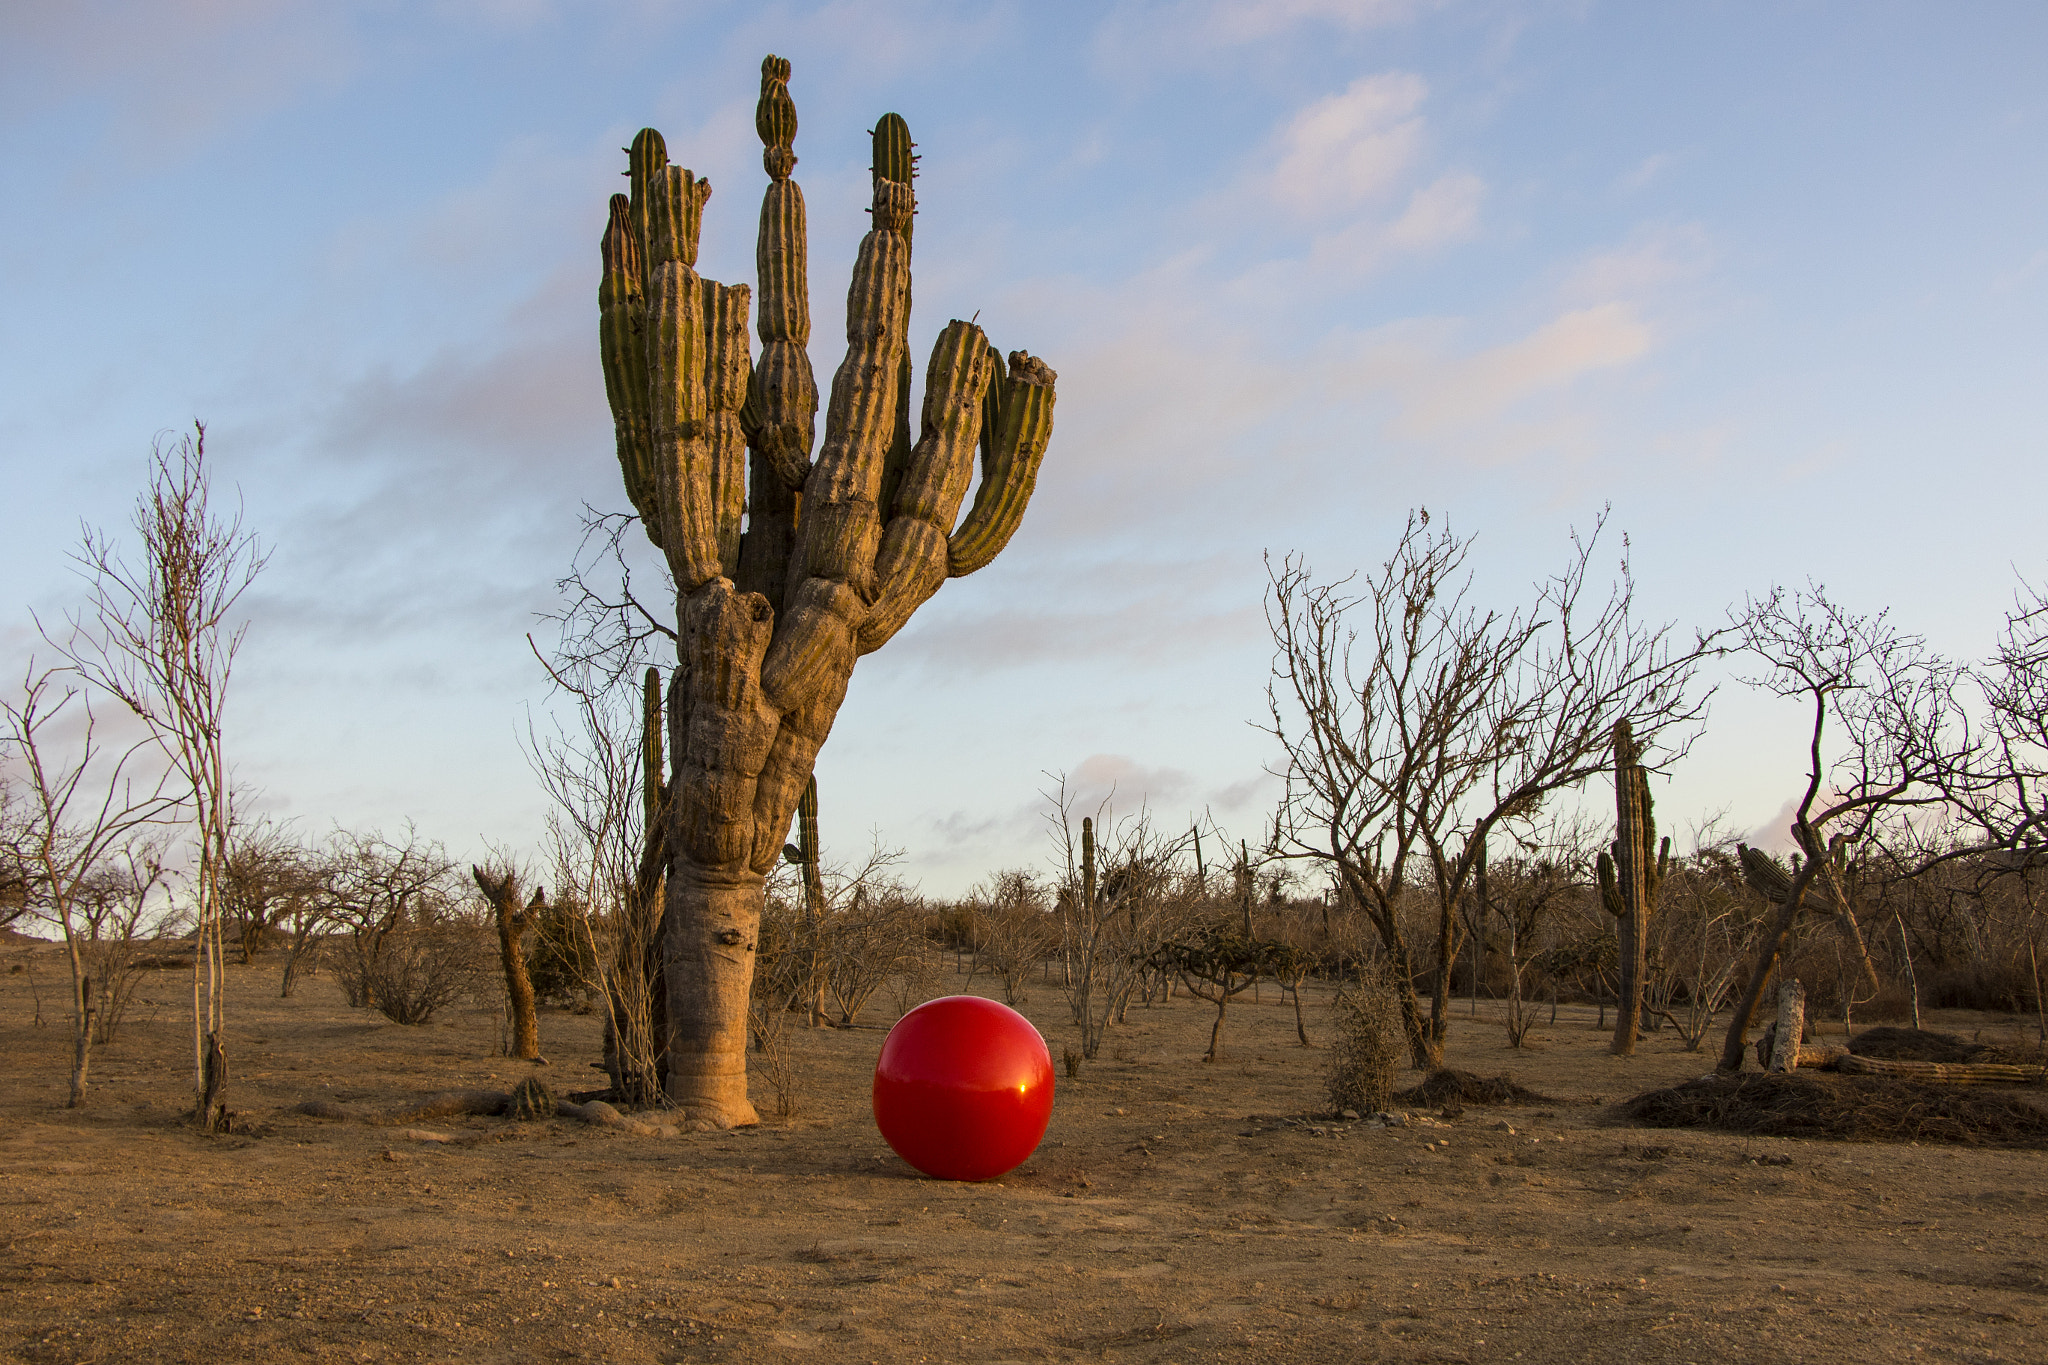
pixel 1629 881
pixel 787 568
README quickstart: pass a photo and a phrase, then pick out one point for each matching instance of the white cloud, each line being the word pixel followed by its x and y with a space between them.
pixel 1653 260
pixel 1440 214
pixel 1440 394
pixel 1345 149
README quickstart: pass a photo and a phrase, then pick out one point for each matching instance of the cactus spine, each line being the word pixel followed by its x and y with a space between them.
pixel 1629 881
pixel 787 568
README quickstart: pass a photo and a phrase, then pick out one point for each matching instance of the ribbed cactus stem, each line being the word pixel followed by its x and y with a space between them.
pixel 622 316
pixel 1017 426
pixel 1087 864
pixel 652 794
pixel 1764 874
pixel 1610 889
pixel 894 160
pixel 1635 879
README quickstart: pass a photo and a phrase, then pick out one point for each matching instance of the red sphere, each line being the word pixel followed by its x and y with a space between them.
pixel 963 1088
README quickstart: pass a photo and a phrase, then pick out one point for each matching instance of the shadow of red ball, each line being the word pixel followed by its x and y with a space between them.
pixel 963 1088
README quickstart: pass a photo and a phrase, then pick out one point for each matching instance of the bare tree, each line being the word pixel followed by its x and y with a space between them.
pixel 606 825
pixel 81 809
pixel 378 887
pixel 159 635
pixel 1906 744
pixel 500 885
pixel 268 874
pixel 17 831
pixel 1012 928
pixel 2008 803
pixel 1415 724
pixel 1119 898
pixel 1522 893
pixel 871 930
pixel 1705 925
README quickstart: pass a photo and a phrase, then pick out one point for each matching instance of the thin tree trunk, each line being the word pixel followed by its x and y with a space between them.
pixel 1766 958
pixel 1913 981
pixel 518 985
pixel 81 1022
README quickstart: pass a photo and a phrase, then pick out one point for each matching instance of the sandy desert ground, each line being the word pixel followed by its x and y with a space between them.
pixel 1177 1211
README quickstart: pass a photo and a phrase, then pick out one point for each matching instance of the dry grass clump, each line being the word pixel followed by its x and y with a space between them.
pixel 1452 1087
pixel 1844 1108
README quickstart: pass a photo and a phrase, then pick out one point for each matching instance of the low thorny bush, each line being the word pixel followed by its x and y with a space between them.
pixel 1366 1048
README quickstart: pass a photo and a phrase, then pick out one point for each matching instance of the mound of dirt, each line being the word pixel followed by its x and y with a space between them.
pixel 1919 1045
pixel 1453 1087
pixel 1809 1104
pixel 1916 1045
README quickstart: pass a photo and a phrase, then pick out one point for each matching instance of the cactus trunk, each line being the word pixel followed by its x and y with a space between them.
pixel 786 569
pixel 1628 883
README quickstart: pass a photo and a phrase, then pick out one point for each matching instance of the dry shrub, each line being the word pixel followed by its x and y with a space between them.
pixel 918 979
pixel 1367 1046
pixel 774 1060
pixel 1452 1087
pixel 421 970
pixel 1808 1104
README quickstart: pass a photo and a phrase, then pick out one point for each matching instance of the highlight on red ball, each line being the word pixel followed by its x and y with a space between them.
pixel 963 1088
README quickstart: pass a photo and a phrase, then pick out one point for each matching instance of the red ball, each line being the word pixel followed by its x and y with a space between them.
pixel 963 1088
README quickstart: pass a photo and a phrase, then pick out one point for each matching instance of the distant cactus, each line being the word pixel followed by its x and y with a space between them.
pixel 787 569
pixel 1629 881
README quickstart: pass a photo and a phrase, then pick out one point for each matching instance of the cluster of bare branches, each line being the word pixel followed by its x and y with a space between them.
pixel 1416 724
pixel 1121 895
pixel 78 827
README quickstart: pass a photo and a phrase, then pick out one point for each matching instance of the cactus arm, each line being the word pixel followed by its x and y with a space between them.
pixel 782 404
pixel 894 159
pixel 1610 891
pixel 912 563
pixel 782 397
pixel 838 526
pixel 622 314
pixel 1011 455
pixel 832 568
pixel 698 366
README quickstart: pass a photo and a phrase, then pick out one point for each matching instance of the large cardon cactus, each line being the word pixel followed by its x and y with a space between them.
pixel 787 569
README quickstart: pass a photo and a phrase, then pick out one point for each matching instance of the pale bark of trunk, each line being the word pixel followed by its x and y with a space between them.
pixel 1791 1027
pixel 708 939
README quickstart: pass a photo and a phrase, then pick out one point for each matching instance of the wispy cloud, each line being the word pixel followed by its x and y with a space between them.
pixel 166 75
pixel 1176 30
pixel 1347 148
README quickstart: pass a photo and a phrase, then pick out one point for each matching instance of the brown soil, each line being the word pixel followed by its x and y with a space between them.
pixel 1176 1211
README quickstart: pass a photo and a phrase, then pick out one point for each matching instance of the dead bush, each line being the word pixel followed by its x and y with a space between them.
pixel 422 969
pixel 1366 1047
pixel 1453 1087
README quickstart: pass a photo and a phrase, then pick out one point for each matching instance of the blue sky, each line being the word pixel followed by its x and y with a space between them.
pixel 1769 279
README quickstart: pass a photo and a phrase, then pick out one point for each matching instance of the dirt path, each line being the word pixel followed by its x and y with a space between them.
pixel 1176 1211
